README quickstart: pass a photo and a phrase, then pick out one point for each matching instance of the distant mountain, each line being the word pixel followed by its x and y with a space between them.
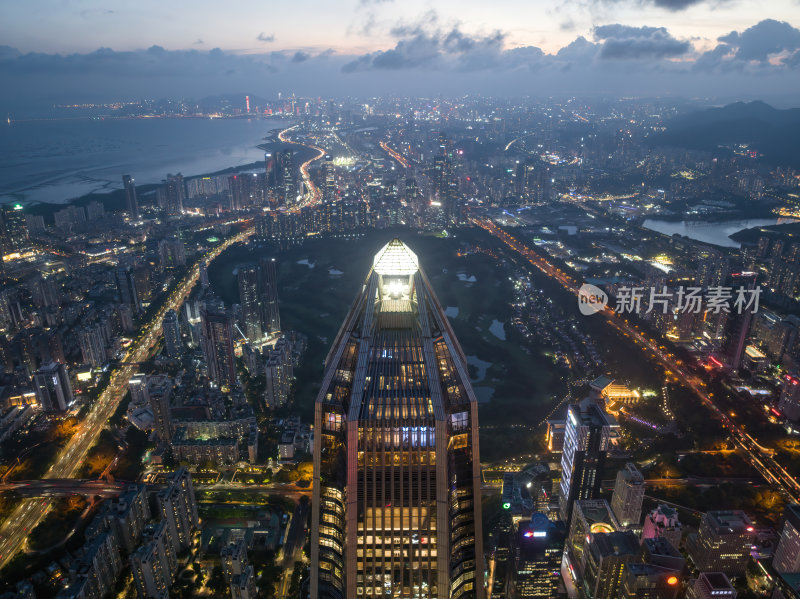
pixel 772 132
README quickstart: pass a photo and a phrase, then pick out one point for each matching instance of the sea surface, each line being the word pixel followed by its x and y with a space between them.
pixel 711 232
pixel 56 160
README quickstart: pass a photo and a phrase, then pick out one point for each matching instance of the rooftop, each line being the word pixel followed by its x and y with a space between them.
pixel 395 259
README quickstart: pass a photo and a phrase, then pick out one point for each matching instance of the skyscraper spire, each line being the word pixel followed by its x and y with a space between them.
pixel 396 470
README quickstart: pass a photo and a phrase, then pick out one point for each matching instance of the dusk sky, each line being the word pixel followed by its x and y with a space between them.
pixel 72 50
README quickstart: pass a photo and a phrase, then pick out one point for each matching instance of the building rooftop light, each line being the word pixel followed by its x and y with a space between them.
pixel 395 259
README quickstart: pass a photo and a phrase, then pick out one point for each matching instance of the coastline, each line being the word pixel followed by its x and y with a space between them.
pixel 121 149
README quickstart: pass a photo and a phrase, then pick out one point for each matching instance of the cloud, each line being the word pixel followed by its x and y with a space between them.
pixel 373 2
pixel 676 5
pixel 623 42
pixel 421 59
pixel 763 40
pixel 198 42
pixel 437 48
pixel 670 5
pixel 263 37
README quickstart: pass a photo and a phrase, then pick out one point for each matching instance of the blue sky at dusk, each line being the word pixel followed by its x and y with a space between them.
pixel 72 50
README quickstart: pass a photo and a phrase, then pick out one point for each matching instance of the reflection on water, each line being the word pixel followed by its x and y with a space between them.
pixel 56 160
pixel 711 232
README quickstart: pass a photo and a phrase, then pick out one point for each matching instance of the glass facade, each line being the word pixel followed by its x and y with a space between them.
pixel 396 509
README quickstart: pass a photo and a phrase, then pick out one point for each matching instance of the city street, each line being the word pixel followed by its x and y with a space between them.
pixel 30 512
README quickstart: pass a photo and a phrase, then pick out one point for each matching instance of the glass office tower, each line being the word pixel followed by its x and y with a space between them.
pixel 396 505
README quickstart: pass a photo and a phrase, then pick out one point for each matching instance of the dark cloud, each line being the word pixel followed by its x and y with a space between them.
pixel 676 5
pixel 765 39
pixel 300 56
pixel 419 47
pixel 623 42
pixel 263 37
pixel 670 5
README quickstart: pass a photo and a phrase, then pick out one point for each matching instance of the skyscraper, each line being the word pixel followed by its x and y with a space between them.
pixel 268 292
pixel 396 506
pixel 251 302
pixel 787 554
pixel 171 194
pixel 538 552
pixel 216 339
pixel 52 387
pixel 287 177
pixel 126 285
pixel 172 334
pixel 723 542
pixel 131 204
pixel 605 557
pixel 329 191
pixel 586 438
pixel 15 228
pixel 628 496
pixel 737 325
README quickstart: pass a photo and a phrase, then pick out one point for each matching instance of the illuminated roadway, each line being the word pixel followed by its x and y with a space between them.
pixel 315 192
pixel 402 161
pixel 31 511
pixel 759 457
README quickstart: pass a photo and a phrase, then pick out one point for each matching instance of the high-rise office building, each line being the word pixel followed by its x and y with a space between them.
pixel 587 436
pixel 172 334
pixel 329 190
pixel 251 302
pixel 52 387
pixel 723 542
pixel 14 228
pixel 737 325
pixel 268 290
pixel 178 508
pixel 538 551
pixel 288 178
pixel 131 203
pixel 626 502
pixel 787 554
pixel 216 339
pixel 396 505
